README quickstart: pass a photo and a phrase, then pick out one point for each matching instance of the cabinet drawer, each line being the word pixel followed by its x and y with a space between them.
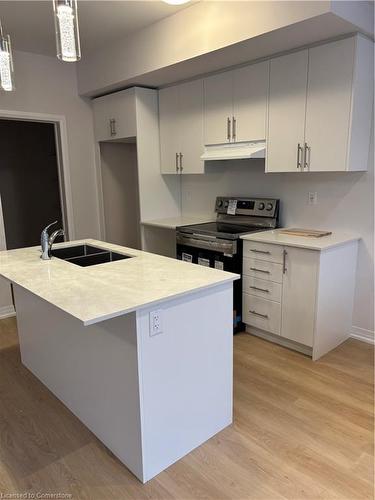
pixel 263 251
pixel 262 313
pixel 262 288
pixel 262 269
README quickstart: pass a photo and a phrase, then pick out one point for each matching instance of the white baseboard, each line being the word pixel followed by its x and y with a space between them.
pixel 7 312
pixel 363 334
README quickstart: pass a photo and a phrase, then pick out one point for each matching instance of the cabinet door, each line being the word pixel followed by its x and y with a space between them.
pixel 287 111
pixel 169 121
pixel 122 109
pixel 250 92
pixel 218 108
pixel 191 127
pixel 101 120
pixel 114 116
pixel 328 105
pixel 299 295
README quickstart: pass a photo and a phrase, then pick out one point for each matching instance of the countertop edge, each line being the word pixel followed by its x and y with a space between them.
pixel 94 321
pixel 166 224
pixel 304 245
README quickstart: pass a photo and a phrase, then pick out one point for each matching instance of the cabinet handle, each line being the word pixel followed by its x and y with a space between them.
pixel 112 126
pixel 285 253
pixel 299 156
pixel 265 316
pixel 260 289
pixel 181 167
pixel 228 128
pixel 177 168
pixel 307 154
pixel 266 252
pixel 260 270
pixel 234 132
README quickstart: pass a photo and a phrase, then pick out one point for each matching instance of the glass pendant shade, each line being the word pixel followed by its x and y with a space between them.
pixel 176 2
pixel 6 63
pixel 67 31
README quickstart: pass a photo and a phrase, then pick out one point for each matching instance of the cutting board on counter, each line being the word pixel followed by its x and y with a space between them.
pixel 306 233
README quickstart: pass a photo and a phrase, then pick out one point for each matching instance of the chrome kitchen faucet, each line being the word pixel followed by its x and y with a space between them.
pixel 47 241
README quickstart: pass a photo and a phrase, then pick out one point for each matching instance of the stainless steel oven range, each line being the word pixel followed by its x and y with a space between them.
pixel 218 244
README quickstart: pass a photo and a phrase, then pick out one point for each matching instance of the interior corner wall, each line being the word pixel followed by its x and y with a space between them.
pixel 46 85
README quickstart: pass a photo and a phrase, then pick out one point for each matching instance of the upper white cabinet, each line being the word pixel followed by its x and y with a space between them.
pixel 235 105
pixel 287 112
pixel 250 93
pixel 330 132
pixel 181 128
pixel 218 108
pixel 114 116
pixel 320 108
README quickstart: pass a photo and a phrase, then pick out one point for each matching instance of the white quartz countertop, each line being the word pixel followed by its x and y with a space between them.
pixel 322 243
pixel 96 293
pixel 173 222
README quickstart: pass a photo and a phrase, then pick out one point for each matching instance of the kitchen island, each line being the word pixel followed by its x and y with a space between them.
pixel 139 349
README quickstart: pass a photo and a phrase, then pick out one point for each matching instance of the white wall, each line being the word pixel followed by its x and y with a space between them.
pixel 345 203
pixel 46 85
pixel 120 193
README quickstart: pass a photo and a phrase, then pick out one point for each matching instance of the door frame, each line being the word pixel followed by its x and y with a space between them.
pixel 63 166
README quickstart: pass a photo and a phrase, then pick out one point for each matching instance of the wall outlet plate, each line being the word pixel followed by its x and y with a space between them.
pixel 156 322
pixel 313 198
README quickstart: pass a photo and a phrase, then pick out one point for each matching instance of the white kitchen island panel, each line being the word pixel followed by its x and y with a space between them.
pixel 149 399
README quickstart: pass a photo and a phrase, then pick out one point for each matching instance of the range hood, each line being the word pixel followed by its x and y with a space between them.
pixel 235 151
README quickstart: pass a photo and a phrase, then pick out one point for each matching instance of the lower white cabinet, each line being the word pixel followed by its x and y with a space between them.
pixel 262 313
pixel 298 294
pixel 306 301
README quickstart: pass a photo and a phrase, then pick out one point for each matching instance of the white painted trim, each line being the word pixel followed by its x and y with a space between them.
pixel 7 312
pixel 99 185
pixel 363 335
pixel 60 121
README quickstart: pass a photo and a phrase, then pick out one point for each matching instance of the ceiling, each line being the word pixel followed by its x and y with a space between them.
pixel 31 26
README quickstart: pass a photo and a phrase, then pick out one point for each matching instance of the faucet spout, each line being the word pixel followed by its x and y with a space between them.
pixel 47 241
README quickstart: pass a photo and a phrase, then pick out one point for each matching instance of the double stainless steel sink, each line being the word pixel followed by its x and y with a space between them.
pixel 87 255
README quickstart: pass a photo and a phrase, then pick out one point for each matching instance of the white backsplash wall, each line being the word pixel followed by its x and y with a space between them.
pixel 345 203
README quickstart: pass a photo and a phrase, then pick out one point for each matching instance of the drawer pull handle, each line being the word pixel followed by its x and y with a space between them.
pixel 260 289
pixel 260 270
pixel 260 251
pixel 265 316
pixel 285 253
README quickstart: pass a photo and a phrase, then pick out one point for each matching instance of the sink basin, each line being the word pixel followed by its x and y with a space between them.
pixel 75 251
pixel 87 255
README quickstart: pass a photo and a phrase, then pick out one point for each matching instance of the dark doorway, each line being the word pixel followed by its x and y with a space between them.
pixel 29 181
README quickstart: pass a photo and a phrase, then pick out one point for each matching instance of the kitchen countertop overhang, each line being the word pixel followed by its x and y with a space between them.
pixel 97 293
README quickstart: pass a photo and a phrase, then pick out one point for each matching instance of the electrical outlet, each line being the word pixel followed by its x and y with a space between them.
pixel 313 198
pixel 156 323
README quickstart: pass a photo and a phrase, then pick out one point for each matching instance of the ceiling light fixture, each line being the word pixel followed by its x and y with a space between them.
pixel 6 62
pixel 176 2
pixel 67 32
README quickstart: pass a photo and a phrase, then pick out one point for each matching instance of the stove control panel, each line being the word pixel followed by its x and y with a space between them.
pixel 259 207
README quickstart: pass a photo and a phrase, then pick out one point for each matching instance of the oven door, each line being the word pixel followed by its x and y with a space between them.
pixel 225 255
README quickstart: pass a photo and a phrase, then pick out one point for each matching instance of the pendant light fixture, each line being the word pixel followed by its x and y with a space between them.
pixel 176 2
pixel 67 31
pixel 6 62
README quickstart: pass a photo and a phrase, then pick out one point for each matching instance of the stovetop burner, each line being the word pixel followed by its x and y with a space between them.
pixel 236 217
pixel 217 229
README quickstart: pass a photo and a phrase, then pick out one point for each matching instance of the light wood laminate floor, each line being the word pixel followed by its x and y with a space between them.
pixel 302 430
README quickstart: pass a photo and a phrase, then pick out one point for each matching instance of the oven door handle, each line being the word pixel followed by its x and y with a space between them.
pixel 220 246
